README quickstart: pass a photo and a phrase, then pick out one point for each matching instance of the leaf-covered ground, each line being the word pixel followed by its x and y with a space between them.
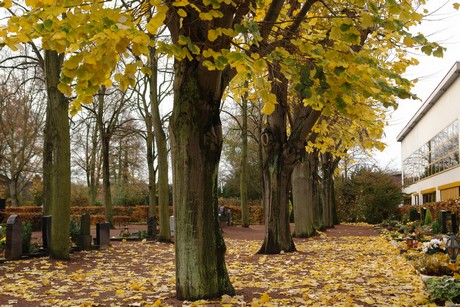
pixel 326 271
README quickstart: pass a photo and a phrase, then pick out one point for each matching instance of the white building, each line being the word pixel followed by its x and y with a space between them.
pixel 430 145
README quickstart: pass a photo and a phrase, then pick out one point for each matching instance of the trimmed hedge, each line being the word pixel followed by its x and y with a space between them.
pixel 124 215
pixel 451 205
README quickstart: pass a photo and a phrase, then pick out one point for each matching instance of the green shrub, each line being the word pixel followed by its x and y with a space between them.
pixel 428 217
pixel 26 237
pixel 74 229
pixel 444 289
pixel 435 228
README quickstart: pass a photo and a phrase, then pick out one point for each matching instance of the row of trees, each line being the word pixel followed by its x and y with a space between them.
pixel 323 72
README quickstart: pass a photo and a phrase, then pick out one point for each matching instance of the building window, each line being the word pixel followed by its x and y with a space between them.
pixel 451 193
pixel 429 197
pixel 438 154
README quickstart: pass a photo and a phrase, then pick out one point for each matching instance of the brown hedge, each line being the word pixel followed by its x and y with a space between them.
pixel 452 205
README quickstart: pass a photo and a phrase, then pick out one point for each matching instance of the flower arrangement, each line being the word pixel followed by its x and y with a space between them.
pixel 434 246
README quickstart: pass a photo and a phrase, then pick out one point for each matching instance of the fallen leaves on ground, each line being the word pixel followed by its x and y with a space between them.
pixel 325 271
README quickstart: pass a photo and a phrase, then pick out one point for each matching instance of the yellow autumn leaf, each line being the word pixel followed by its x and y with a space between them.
pixel 213 34
pixel 264 298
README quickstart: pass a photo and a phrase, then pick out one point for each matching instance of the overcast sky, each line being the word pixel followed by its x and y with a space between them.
pixel 443 26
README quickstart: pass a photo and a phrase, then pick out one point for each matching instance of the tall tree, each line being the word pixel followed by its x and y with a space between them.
pixel 208 54
pixel 21 124
pixel 57 134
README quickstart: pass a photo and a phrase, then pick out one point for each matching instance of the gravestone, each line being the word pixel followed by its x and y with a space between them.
pixel 2 208
pixel 151 227
pixel 84 238
pixel 171 225
pixel 443 221
pixel 103 235
pixel 13 248
pixel 423 215
pixel 453 218
pixel 46 232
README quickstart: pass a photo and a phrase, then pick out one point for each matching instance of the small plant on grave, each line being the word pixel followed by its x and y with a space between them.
pixel 444 289
pixel 26 238
pixel 435 228
pixel 433 265
pixel 428 218
pixel 2 237
pixel 125 233
pixel 74 229
pixel 142 234
pixel 434 246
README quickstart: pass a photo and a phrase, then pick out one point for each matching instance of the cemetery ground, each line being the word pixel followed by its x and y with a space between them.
pixel 349 265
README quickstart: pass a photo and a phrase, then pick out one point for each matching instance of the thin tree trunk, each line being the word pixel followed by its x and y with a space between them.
pixel 59 131
pixel 105 140
pixel 303 213
pixel 277 166
pixel 47 161
pixel 13 192
pixel 162 150
pixel 151 167
pixel 244 164
pixel 196 144
pixel 328 166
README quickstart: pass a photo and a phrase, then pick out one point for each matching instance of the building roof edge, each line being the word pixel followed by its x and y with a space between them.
pixel 442 87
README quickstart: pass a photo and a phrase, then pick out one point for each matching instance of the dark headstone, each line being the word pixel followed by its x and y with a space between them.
pixel 84 239
pixel 2 204
pixel 423 215
pixel 103 235
pixel 443 221
pixel 13 249
pixel 151 227
pixel 46 231
pixel 453 218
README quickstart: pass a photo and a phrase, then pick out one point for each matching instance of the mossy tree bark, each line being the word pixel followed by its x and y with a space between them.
pixel 303 213
pixel 196 144
pixel 58 134
pixel 278 164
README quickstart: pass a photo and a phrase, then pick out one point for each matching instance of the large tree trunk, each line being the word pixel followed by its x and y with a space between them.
pixel 313 193
pixel 162 150
pixel 303 211
pixel 328 166
pixel 244 164
pixel 196 144
pixel 277 169
pixel 59 135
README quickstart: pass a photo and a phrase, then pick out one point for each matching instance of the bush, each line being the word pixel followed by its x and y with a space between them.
pixel 74 229
pixel 130 194
pixel 428 218
pixel 444 289
pixel 26 238
pixel 433 265
pixel 435 228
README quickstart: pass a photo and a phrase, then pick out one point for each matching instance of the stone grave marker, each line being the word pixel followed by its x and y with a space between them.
pixel 84 238
pixel 453 218
pixel 46 232
pixel 103 235
pixel 443 221
pixel 13 248
pixel 2 204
